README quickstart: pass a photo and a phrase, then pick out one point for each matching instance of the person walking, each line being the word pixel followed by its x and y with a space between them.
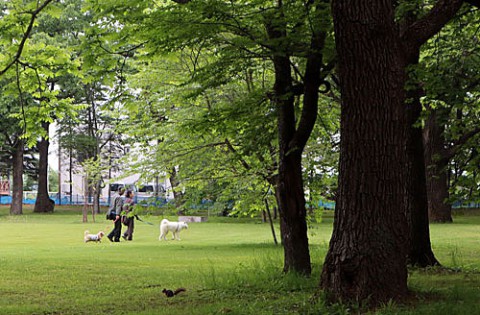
pixel 115 211
pixel 128 217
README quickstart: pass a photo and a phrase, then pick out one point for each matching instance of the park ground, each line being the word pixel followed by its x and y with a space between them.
pixel 226 265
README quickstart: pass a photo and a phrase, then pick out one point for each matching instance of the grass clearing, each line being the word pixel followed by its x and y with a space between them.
pixel 228 266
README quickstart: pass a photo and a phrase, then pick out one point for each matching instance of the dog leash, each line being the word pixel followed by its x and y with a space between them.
pixel 138 218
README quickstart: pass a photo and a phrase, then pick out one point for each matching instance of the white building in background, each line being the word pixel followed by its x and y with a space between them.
pixel 132 182
pixel 74 190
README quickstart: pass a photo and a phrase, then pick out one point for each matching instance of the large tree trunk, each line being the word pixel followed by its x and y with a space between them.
pixel 436 169
pixel 43 202
pixel 16 208
pixel 367 255
pixel 419 250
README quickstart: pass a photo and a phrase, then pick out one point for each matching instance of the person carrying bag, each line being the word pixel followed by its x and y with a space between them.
pixel 113 214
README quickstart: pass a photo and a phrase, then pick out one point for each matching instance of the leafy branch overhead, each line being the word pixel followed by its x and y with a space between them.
pixel 19 50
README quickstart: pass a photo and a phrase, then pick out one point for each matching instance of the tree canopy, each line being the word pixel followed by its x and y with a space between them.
pixel 238 103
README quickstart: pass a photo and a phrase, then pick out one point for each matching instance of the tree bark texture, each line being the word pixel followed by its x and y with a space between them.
pixel 16 208
pixel 436 169
pixel 291 199
pixel 367 254
pixel 289 188
pixel 419 250
pixel 292 138
pixel 293 216
pixel 43 203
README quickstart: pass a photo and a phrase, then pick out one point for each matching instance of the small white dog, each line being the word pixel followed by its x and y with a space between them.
pixel 87 237
pixel 174 227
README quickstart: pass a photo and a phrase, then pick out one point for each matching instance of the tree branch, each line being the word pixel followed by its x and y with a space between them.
pixel 453 149
pixel 242 160
pixel 312 81
pixel 417 33
pixel 127 52
pixel 25 36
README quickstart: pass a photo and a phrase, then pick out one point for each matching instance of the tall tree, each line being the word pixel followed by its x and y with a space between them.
pixel 33 63
pixel 370 225
pixel 292 139
pixel 437 167
pixel 420 251
pixel 43 203
pixel 17 183
pixel 20 21
pixel 367 255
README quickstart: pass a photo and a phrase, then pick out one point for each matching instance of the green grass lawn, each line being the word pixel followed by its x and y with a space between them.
pixel 228 266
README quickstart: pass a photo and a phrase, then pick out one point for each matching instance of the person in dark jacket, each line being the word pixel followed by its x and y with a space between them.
pixel 116 209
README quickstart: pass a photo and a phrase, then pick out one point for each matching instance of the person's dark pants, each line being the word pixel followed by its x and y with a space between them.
pixel 128 235
pixel 116 232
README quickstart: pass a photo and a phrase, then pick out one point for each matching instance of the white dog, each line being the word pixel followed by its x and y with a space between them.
pixel 87 237
pixel 174 227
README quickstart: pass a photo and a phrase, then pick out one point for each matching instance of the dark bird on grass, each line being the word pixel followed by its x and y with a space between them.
pixel 170 293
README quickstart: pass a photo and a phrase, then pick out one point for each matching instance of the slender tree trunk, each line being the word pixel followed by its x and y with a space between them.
pixel 59 173
pixel 420 250
pixel 16 208
pixel 43 202
pixel 436 169
pixel 367 254
pixel 70 175
pixel 85 200
pixel 177 195
pixel 290 195
pixel 292 138
pixel 272 227
pixel 293 216
pixel 96 196
pixel 276 214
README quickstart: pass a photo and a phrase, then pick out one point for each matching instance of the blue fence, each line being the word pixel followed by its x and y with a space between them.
pixel 326 204
pixel 29 199
pixel 465 204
